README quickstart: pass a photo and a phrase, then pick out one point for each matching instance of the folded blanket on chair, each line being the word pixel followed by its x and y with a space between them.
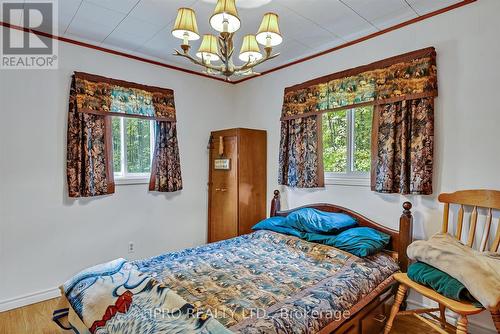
pixel 116 298
pixel 478 271
pixel 440 281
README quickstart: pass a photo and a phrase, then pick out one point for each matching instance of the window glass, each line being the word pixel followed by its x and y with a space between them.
pixel 117 145
pixel 138 145
pixel 133 141
pixel 362 139
pixel 335 140
pixel 347 141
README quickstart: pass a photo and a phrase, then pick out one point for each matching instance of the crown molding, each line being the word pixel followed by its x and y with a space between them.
pixel 185 70
pixel 362 39
pixel 110 51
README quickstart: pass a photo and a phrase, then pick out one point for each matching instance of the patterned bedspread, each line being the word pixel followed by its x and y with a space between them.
pixel 267 282
pixel 115 298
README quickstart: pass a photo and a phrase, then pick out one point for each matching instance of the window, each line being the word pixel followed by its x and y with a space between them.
pixel 133 146
pixel 347 146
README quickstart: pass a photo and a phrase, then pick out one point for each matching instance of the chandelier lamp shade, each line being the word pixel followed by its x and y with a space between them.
pixel 225 17
pixel 269 31
pixel 226 22
pixel 185 26
pixel 208 48
pixel 250 50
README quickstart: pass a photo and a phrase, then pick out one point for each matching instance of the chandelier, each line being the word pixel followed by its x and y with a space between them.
pixel 213 48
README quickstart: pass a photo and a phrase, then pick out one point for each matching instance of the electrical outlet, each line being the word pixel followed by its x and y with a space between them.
pixel 131 247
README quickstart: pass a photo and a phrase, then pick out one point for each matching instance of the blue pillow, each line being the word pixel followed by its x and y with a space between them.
pixel 277 224
pixel 326 239
pixel 361 241
pixel 316 221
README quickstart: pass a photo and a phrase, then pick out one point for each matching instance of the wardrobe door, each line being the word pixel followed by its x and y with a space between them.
pixel 224 191
pixel 252 178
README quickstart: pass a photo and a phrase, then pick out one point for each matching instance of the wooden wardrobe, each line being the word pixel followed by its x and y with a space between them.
pixel 237 182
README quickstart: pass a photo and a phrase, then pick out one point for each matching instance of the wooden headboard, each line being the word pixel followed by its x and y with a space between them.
pixel 399 239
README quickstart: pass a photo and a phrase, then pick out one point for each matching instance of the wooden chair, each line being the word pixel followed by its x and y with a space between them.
pixel 487 199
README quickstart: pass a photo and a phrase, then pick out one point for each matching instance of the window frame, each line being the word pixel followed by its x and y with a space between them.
pixel 123 177
pixel 350 177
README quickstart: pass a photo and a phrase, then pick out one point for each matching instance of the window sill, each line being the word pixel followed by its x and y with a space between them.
pixel 123 181
pixel 355 181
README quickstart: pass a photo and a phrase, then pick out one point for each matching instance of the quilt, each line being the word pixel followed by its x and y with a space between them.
pixel 267 282
pixel 115 298
pixel 263 282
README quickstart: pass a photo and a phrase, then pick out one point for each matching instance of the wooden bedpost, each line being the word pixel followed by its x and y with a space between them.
pixel 405 235
pixel 275 203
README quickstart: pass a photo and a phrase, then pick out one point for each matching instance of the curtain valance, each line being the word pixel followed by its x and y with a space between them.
pixel 404 77
pixel 104 96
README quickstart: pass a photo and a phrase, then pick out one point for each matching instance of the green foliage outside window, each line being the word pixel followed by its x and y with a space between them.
pixel 117 144
pixel 138 145
pixel 335 141
pixel 336 134
pixel 362 138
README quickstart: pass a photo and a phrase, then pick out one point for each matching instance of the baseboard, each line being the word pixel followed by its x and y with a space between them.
pixel 32 298
pixel 473 326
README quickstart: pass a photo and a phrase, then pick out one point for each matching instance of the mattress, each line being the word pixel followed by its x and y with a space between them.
pixel 266 282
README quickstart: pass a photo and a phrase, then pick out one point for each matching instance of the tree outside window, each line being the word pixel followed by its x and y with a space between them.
pixel 347 142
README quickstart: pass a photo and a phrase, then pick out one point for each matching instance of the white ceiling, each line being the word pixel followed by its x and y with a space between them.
pixel 142 27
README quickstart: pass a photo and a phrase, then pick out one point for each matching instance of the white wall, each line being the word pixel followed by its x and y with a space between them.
pixel 467 117
pixel 45 237
pixel 467 147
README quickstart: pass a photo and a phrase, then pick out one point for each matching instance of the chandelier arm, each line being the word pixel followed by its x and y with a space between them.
pixel 196 61
pixel 221 57
pixel 245 74
pixel 248 65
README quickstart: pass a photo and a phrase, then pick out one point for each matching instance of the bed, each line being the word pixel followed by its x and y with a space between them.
pixel 263 282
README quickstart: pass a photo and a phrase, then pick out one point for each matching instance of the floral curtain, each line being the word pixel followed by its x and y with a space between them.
pixel 390 82
pixel 93 99
pixel 166 167
pixel 88 170
pixel 403 153
pixel 300 157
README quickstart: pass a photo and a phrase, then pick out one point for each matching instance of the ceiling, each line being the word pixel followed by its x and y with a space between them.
pixel 142 27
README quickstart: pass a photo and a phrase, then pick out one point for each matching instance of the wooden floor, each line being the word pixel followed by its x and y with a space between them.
pixel 37 319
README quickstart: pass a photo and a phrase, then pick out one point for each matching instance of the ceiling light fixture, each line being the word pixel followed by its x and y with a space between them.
pixel 213 48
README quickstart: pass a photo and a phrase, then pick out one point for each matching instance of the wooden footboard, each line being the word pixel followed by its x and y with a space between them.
pixel 370 319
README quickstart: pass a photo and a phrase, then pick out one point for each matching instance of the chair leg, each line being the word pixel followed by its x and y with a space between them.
pixel 495 315
pixel 462 324
pixel 400 296
pixel 442 315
